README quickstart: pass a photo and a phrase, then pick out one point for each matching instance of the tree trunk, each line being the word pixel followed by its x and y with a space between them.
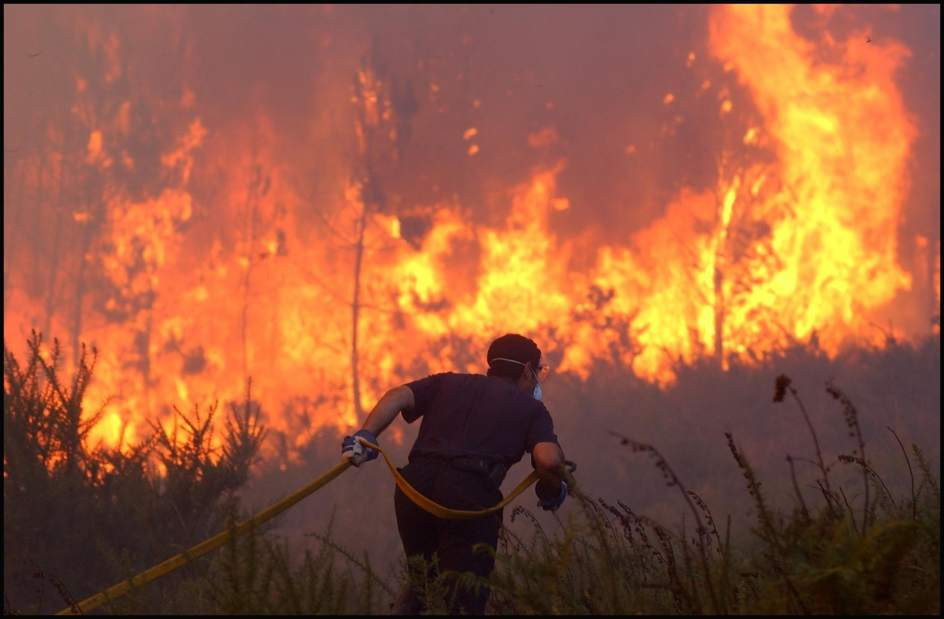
pixel 96 218
pixel 355 311
pixel 54 260
pixel 146 353
pixel 79 294
pixel 38 220
pixel 719 316
pixel 247 279
pixel 934 278
pixel 14 201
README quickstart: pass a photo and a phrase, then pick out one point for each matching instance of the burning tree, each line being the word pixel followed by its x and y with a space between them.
pixel 175 230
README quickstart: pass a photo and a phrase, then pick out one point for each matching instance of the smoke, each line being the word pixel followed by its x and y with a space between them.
pixel 596 76
pixel 106 107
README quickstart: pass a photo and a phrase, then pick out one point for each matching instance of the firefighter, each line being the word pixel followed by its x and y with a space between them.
pixel 473 429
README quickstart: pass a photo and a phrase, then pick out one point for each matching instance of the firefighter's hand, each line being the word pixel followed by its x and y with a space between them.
pixel 355 451
pixel 550 500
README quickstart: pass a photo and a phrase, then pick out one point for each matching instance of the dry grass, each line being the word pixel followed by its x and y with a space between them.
pixel 76 521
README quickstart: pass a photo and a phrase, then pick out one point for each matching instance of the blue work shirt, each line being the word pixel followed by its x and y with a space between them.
pixel 477 415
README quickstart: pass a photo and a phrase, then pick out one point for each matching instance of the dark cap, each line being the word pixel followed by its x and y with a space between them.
pixel 515 347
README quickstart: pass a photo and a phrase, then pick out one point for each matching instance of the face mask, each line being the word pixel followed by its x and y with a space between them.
pixel 537 387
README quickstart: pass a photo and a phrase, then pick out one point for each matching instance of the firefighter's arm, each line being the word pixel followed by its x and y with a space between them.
pixel 548 460
pixel 386 410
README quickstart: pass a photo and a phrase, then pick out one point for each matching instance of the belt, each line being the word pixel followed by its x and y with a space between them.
pixel 492 468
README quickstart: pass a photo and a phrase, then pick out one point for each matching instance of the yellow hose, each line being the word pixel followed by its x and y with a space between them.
pixel 165 567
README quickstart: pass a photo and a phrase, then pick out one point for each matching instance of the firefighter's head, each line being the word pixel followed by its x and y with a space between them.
pixel 518 359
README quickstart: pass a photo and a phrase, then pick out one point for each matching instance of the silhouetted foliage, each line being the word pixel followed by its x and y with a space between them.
pixel 818 539
pixel 76 519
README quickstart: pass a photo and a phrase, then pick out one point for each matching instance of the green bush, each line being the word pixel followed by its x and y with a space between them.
pixel 822 557
pixel 77 521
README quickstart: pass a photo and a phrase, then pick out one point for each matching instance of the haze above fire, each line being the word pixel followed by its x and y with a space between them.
pixel 186 187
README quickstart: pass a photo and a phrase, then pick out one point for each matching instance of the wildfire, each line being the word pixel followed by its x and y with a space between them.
pixel 194 284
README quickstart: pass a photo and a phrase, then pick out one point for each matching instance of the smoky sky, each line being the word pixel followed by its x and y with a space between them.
pixel 597 75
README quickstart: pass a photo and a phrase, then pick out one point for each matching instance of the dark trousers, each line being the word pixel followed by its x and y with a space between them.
pixel 447 544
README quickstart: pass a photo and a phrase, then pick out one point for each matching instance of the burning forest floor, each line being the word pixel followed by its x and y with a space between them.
pixel 800 484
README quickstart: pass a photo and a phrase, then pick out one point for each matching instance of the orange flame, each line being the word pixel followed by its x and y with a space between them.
pixel 209 287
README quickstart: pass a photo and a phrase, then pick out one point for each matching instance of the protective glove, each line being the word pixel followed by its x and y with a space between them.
pixel 353 450
pixel 554 503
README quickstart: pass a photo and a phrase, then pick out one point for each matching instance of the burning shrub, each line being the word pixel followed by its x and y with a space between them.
pixel 80 518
